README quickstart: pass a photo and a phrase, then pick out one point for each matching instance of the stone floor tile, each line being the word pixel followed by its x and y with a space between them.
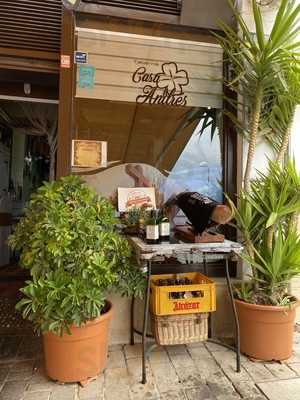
pixel 227 361
pixel 64 392
pixel 229 357
pixel 189 377
pixel 260 397
pixel 283 390
pixel 13 390
pixel 203 393
pixel 21 371
pixel 182 360
pixel 220 391
pixel 93 390
pixel 294 359
pixel 258 371
pixel 215 347
pixel 159 357
pixel 177 349
pixel 138 390
pixel 232 396
pixel 230 372
pixel 134 366
pixel 116 359
pixel 207 366
pixel 247 389
pixel 295 367
pixel 198 352
pixel 219 384
pixel 147 391
pixel 116 347
pixel 40 376
pixel 37 396
pixel 281 371
pixel 133 351
pixel 116 384
pixel 194 345
pixel 40 383
pixel 174 395
pixel 165 377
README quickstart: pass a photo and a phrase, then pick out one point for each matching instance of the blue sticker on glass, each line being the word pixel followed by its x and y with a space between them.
pixel 86 76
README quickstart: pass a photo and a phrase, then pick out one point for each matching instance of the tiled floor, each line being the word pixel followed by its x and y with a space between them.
pixel 194 372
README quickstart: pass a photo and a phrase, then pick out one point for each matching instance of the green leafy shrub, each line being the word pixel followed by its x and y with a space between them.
pixel 68 241
pixel 266 218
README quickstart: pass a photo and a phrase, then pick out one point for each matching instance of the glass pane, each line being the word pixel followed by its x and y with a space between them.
pixel 176 148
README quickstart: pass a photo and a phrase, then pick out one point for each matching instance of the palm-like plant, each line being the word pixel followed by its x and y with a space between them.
pixel 281 112
pixel 260 64
pixel 265 216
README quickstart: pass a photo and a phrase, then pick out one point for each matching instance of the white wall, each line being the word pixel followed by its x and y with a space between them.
pixel 263 150
pixel 295 139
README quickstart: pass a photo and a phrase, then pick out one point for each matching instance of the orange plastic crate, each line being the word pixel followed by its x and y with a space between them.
pixel 161 302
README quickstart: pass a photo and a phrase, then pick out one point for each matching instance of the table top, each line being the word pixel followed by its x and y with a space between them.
pixel 148 251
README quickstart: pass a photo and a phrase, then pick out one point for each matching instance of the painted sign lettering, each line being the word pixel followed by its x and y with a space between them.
pixel 164 87
pixel 178 306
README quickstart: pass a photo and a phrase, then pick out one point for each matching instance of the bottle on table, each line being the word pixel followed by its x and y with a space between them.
pixel 164 229
pixel 152 227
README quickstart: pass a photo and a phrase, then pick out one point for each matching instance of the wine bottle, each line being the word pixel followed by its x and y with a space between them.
pixel 152 228
pixel 164 229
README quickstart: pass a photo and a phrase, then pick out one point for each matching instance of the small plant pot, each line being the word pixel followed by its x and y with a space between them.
pixel 81 355
pixel 266 331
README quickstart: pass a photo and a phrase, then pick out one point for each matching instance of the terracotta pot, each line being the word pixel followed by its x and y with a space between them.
pixel 266 331
pixel 81 355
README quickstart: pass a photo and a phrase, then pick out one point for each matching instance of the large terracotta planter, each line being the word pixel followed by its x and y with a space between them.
pixel 266 331
pixel 81 355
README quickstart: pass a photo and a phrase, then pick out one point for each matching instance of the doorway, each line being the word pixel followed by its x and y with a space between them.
pixel 27 158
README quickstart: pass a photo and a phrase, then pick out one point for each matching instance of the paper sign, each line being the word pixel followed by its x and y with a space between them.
pixel 86 76
pixel 80 57
pixel 65 61
pixel 136 197
pixel 89 153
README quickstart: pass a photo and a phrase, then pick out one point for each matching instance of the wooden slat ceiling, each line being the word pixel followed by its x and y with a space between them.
pixel 31 24
pixel 159 6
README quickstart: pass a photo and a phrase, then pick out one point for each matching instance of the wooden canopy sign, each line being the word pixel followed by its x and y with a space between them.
pixel 151 70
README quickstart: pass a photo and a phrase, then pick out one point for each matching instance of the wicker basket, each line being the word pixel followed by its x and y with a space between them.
pixel 180 329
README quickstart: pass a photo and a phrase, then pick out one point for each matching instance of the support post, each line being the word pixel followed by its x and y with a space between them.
pixel 66 95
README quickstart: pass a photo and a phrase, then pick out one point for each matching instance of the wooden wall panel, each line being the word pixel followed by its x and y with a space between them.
pixel 116 56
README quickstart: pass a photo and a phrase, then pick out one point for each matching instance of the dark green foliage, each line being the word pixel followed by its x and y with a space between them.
pixel 266 218
pixel 68 241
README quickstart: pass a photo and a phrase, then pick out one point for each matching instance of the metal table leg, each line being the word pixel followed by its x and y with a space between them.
pixel 206 273
pixel 236 321
pixel 145 323
pixel 132 321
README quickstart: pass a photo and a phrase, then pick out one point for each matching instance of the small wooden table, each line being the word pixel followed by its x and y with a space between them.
pixel 148 254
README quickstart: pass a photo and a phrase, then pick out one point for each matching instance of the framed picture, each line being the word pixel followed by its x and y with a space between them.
pixel 89 154
pixel 135 197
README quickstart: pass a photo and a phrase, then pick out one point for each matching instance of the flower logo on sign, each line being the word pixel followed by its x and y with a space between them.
pixel 173 78
pixel 161 87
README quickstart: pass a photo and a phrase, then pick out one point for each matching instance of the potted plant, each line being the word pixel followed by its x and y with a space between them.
pixel 68 241
pixel 266 83
pixel 265 308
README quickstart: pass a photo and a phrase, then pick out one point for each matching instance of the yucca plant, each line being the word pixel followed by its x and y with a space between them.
pixel 260 64
pixel 281 111
pixel 266 218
